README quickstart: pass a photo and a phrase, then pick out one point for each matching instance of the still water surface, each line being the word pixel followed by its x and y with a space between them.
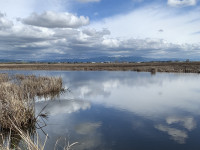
pixel 124 111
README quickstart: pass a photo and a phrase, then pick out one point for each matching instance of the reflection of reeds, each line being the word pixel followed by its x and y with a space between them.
pixel 28 141
pixel 17 95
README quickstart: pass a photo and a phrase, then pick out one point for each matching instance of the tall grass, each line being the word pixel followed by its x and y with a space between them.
pixel 17 95
pixel 28 142
pixel 17 105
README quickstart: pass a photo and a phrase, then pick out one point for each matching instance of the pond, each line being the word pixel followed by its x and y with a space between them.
pixel 122 110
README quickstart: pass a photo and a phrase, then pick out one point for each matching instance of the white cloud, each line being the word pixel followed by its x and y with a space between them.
pixel 112 43
pixel 4 22
pixel 150 32
pixel 51 19
pixel 22 8
pixel 87 1
pixel 145 22
pixel 20 40
pixel 177 3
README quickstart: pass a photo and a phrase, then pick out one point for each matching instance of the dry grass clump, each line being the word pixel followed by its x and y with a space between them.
pixel 15 106
pixel 24 141
pixel 4 78
pixel 17 95
pixel 40 86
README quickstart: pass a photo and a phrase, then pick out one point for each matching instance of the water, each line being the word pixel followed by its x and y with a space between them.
pixel 123 110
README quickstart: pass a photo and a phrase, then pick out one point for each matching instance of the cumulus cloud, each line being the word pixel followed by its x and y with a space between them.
pixel 51 19
pixel 57 35
pixel 177 3
pixel 94 32
pixel 28 41
pixel 87 1
pixel 111 43
pixel 151 31
pixel 4 22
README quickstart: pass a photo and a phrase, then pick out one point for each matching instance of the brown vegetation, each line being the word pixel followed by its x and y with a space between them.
pixel 182 67
pixel 28 141
pixel 17 116
pixel 17 94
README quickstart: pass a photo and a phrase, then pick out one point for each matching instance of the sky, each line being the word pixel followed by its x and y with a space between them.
pixel 59 29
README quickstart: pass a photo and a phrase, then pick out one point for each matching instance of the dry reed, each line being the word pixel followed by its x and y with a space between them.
pixel 17 95
pixel 28 141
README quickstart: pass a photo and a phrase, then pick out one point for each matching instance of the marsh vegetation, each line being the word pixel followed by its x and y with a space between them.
pixel 17 105
pixel 176 67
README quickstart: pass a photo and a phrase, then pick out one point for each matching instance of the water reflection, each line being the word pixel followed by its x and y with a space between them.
pixel 140 93
pixel 125 110
pixel 176 134
pixel 187 122
pixel 62 106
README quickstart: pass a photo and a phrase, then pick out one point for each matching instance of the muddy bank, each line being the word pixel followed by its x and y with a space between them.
pixel 179 67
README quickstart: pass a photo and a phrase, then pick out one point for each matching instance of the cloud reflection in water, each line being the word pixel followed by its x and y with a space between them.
pixel 62 106
pixel 177 135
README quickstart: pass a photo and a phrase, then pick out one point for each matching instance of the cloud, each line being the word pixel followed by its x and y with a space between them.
pixel 94 32
pixel 4 23
pixel 144 22
pixel 180 3
pixel 111 43
pixel 177 135
pixel 30 42
pixel 51 19
pixel 62 35
pixel 87 1
pixel 196 33
pixel 22 8
pixel 151 31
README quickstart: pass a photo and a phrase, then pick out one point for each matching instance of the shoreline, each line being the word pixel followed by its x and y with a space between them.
pixel 153 67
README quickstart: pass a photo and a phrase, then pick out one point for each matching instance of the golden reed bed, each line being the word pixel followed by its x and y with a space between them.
pixel 17 108
pixel 17 95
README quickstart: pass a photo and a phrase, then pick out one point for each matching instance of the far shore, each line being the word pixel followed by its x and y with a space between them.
pixel 153 67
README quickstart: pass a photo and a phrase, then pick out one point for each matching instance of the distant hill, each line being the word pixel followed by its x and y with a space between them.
pixel 111 59
pixel 105 59
pixel 95 59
